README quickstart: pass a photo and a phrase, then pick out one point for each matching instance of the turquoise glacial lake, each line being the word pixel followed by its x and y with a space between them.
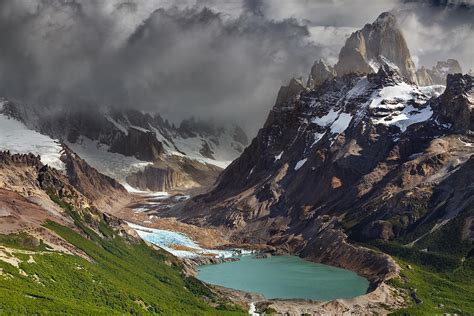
pixel 285 277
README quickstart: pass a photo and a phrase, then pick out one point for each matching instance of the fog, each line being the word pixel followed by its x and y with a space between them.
pixel 205 58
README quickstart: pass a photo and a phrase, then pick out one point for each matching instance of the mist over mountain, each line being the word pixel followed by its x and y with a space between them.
pixel 202 58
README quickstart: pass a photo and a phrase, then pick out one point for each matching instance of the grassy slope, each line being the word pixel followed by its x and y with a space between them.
pixel 124 278
pixel 442 271
pixel 440 292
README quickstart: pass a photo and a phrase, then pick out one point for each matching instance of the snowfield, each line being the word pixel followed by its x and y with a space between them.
pixel 17 138
pixel 300 164
pixel 114 165
pixel 394 101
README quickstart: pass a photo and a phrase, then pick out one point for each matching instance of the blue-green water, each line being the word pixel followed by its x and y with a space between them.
pixel 285 277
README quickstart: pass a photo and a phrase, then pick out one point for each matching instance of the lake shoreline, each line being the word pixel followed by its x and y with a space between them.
pixel 380 297
pixel 381 300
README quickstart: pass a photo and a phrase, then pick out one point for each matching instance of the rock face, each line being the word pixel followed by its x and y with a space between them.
pixel 456 105
pixel 287 93
pixel 320 72
pixel 102 190
pixel 439 73
pixel 424 78
pixel 138 143
pixel 357 157
pixel 181 173
pixel 379 43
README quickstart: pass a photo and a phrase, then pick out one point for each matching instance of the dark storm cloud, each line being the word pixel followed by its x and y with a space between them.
pixel 224 59
pixel 178 61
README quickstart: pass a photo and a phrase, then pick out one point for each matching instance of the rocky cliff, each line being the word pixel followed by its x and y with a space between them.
pixel 379 43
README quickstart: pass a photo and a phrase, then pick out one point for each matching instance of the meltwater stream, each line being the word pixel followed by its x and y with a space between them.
pixel 285 277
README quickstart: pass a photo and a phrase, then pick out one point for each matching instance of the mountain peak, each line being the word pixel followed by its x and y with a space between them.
pixel 320 72
pixel 456 105
pixel 379 43
pixel 386 18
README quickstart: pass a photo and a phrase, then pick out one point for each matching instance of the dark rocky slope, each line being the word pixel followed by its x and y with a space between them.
pixel 366 156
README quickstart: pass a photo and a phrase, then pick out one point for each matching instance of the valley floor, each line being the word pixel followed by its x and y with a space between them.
pixel 420 289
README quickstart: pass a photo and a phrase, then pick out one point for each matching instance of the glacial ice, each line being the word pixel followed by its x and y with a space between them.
pixel 17 138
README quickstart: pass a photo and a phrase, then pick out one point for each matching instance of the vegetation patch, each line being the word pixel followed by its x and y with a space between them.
pixel 124 278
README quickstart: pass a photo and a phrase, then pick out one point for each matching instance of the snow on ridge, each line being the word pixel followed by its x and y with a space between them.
pixel 359 88
pixel 223 153
pixel 341 123
pixel 393 101
pixel 17 138
pixel 300 164
pixel 326 119
pixel 119 126
pixel 317 138
pixel 114 165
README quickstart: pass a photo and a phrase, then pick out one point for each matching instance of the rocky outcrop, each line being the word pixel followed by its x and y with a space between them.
pixel 438 74
pixel 174 173
pixel 191 265
pixel 287 93
pixel 100 189
pixel 139 143
pixel 442 69
pixel 379 43
pixel 423 77
pixel 157 179
pixel 456 105
pixel 319 73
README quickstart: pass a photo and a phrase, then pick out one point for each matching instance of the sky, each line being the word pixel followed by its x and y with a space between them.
pixel 205 58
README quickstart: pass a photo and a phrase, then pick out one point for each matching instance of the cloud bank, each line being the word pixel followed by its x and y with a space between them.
pixel 207 58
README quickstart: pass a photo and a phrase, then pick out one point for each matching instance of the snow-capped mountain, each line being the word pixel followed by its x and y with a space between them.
pixel 379 43
pixel 372 156
pixel 128 145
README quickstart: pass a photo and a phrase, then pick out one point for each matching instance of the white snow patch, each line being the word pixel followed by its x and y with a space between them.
pixel 374 64
pixel 278 157
pixel 360 87
pixel 341 123
pixel 407 117
pixel 326 119
pixel 398 113
pixel 253 310
pixel 400 92
pixel 224 153
pixel 317 138
pixel 466 143
pixel 389 63
pixel 300 164
pixel 433 91
pixel 17 138
pixel 156 194
pixel 113 165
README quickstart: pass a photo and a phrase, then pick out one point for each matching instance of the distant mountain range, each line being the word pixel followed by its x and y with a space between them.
pixel 137 149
